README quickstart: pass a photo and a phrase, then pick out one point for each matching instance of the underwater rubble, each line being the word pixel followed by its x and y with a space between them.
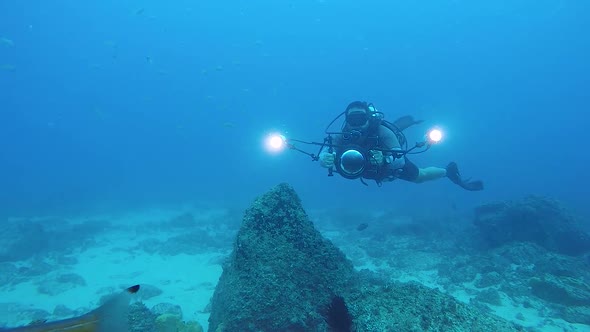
pixel 535 280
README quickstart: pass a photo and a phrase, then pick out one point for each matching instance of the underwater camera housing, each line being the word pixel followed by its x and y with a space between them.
pixel 351 163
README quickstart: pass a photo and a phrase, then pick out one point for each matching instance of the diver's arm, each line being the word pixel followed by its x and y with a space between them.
pixel 429 174
pixel 327 157
pixel 327 154
pixel 389 141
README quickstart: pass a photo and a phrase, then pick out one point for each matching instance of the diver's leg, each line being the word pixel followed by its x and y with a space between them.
pixel 430 173
pixel 411 172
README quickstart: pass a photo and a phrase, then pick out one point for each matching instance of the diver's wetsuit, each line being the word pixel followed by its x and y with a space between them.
pixel 385 139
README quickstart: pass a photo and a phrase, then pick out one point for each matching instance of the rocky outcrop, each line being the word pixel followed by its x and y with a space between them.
pixel 534 219
pixel 569 296
pixel 281 270
pixel 284 276
pixel 23 239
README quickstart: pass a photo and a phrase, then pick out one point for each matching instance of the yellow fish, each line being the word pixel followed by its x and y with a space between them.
pixel 109 317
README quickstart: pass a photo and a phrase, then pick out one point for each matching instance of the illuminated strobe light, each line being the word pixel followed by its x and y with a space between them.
pixel 434 136
pixel 276 143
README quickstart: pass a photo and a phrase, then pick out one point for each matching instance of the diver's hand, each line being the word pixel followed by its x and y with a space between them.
pixel 376 157
pixel 454 175
pixel 327 159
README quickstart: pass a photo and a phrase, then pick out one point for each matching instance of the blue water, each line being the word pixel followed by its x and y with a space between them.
pixel 114 105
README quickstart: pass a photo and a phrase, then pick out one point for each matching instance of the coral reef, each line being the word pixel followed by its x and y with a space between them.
pixel 282 275
pixel 566 291
pixel 534 219
pixel 173 323
pixel 569 296
pixel 141 319
pixel 167 308
pixel 529 275
pixel 23 239
pixel 384 306
pixel 280 272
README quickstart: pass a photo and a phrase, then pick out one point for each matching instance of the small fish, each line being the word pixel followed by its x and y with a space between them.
pixel 7 67
pixel 140 11
pixel 6 42
pixel 109 317
pixel 362 227
pixel 99 112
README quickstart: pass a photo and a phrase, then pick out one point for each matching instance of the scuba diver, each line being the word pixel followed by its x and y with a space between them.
pixel 370 147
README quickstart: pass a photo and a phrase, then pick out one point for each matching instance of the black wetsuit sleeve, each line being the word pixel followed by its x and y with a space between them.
pixel 337 141
pixel 387 139
pixel 410 171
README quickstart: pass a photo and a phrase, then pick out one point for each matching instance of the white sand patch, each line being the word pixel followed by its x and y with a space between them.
pixel 428 278
pixel 462 296
pixel 367 265
pixel 185 280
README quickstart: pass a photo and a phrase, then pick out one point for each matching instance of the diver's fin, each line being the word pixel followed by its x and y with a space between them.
pixel 405 122
pixel 473 185
pixel 454 175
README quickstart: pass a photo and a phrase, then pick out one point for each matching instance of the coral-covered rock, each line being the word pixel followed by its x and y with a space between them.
pixel 284 276
pixel 22 240
pixel 580 315
pixel 281 270
pixel 534 219
pixel 566 291
pixel 168 309
pixel 488 279
pixel 173 323
pixel 141 319
pixel 389 306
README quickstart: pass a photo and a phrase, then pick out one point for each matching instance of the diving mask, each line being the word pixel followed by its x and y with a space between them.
pixel 357 117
